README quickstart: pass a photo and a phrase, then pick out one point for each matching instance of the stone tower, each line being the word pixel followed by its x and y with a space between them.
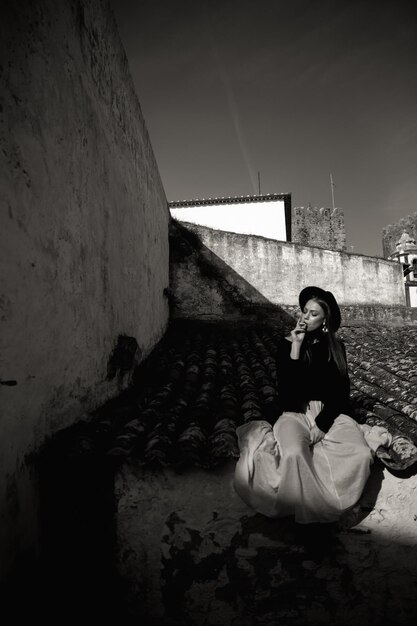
pixel 324 228
pixel 391 234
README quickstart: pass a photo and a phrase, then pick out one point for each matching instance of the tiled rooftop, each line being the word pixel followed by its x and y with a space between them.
pixel 204 379
pixel 184 543
pixel 230 200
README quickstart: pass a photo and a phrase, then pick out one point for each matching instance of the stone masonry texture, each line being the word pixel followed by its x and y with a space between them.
pixel 392 233
pixel 324 227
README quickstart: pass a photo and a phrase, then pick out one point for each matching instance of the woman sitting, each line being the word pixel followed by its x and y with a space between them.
pixel 314 463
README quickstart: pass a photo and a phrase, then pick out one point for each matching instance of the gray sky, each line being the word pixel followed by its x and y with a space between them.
pixel 295 89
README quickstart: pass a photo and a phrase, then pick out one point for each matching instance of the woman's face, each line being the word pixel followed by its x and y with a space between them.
pixel 313 315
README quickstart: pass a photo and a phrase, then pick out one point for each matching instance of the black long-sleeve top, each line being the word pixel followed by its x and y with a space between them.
pixel 299 382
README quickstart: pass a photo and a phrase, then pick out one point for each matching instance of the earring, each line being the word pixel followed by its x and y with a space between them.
pixel 324 328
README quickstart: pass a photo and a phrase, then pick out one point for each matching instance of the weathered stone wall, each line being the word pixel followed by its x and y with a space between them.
pixel 206 288
pixel 84 233
pixel 274 272
pixel 392 233
pixel 322 227
pixel 203 286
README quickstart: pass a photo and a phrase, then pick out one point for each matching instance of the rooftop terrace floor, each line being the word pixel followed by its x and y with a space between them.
pixel 191 552
pixel 144 524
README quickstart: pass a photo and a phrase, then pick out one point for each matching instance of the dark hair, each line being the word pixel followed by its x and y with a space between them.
pixel 335 347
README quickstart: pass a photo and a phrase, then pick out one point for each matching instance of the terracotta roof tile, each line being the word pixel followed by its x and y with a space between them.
pixel 205 379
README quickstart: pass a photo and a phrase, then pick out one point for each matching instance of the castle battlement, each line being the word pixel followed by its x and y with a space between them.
pixel 391 234
pixel 323 227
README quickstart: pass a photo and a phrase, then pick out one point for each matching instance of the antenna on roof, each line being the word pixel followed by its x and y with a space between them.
pixel 259 183
pixel 332 187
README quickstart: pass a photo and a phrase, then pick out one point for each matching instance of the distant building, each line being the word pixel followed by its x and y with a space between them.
pixel 324 227
pixel 264 215
pixel 406 253
pixel 269 215
pixel 392 233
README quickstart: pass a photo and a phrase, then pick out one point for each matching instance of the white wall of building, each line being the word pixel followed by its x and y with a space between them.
pixel 413 296
pixel 264 219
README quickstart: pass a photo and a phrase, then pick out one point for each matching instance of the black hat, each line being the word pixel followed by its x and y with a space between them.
pixel 310 292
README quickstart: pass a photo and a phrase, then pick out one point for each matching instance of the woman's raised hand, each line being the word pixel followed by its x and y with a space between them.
pixel 299 332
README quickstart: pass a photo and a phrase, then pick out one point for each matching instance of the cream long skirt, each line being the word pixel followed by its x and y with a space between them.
pixel 279 472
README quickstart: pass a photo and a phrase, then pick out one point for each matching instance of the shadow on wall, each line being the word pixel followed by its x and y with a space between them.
pixel 232 558
pixel 75 573
pixel 203 286
pixel 124 359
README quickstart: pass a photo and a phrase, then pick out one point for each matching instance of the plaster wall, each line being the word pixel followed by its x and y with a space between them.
pixel 266 219
pixel 202 285
pixel 278 270
pixel 84 232
pixel 413 296
pixel 199 294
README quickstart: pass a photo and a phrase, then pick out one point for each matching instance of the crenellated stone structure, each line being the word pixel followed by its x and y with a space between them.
pixel 391 234
pixel 321 227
